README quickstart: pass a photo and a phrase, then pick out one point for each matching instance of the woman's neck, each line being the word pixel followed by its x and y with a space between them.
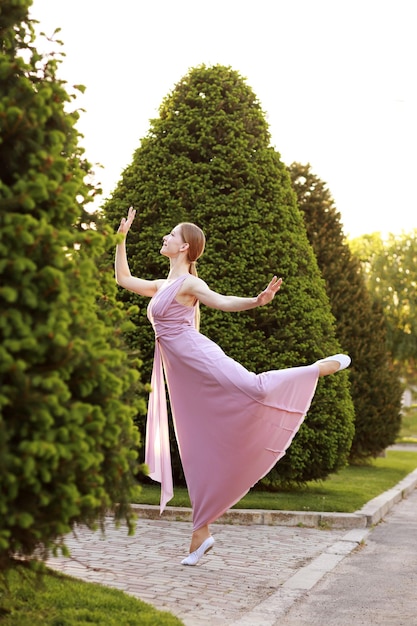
pixel 178 267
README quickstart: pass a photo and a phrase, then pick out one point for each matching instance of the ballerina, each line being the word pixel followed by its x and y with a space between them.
pixel 232 425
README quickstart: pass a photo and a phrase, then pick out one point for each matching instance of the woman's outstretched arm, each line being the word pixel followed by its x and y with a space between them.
pixel 122 271
pixel 200 290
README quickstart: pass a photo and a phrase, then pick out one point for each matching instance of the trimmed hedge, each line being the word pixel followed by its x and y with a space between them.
pixel 207 159
pixel 67 438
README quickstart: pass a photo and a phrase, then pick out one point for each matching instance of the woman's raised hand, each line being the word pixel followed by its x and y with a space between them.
pixel 269 293
pixel 126 222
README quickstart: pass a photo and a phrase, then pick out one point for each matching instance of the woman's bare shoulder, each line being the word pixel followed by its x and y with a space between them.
pixel 159 282
pixel 191 283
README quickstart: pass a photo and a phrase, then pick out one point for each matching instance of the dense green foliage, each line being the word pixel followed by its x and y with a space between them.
pixel 207 160
pixel 360 319
pixel 375 387
pixel 67 437
pixel 390 267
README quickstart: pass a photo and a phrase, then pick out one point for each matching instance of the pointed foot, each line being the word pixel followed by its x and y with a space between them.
pixel 343 359
pixel 194 557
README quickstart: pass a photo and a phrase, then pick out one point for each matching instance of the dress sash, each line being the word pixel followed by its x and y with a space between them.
pixel 157 447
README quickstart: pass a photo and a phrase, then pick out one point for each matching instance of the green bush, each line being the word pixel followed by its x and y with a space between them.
pixel 67 437
pixel 375 386
pixel 207 160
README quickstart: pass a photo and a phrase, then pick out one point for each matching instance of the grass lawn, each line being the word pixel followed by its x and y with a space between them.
pixel 344 492
pixel 58 600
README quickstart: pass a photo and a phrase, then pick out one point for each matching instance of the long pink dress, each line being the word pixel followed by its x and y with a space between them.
pixel 231 425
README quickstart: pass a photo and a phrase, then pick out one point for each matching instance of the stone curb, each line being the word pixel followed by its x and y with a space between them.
pixel 371 513
pixel 376 509
pixel 272 609
pixel 268 612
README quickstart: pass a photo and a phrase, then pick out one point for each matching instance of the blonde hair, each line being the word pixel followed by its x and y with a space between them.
pixel 194 236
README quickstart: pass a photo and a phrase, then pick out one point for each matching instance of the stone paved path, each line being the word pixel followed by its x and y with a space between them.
pixel 264 575
pixel 375 585
pixel 246 568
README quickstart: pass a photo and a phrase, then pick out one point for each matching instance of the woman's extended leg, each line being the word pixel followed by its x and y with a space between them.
pixel 332 364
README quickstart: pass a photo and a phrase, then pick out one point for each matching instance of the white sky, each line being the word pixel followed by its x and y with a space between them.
pixel 336 78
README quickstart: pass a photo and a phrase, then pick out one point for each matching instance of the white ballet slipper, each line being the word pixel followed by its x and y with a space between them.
pixel 343 359
pixel 194 557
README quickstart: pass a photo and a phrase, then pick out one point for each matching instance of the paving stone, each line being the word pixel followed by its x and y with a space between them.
pixel 253 575
pixel 246 565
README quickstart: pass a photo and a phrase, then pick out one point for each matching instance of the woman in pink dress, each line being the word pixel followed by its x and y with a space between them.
pixel 231 425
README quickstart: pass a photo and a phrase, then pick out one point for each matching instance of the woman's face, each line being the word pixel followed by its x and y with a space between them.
pixel 173 242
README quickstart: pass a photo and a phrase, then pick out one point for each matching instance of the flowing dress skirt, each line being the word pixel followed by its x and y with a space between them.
pixel 231 425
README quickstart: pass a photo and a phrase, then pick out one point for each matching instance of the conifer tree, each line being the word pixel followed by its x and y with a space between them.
pixel 207 159
pixel 375 387
pixel 68 443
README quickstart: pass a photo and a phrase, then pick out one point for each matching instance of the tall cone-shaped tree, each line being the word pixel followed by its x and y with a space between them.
pixel 375 387
pixel 68 443
pixel 207 160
